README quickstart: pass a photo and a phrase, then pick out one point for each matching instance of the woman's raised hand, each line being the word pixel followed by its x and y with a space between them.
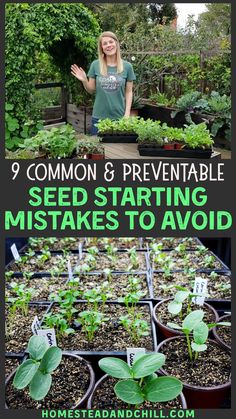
pixel 78 72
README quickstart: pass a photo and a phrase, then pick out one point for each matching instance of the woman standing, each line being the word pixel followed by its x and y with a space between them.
pixel 111 78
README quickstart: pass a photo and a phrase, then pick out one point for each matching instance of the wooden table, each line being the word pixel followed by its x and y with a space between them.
pixel 130 151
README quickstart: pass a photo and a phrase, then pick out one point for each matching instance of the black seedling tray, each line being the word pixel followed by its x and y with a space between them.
pixel 223 268
pixel 88 354
pixel 218 304
pixel 146 150
pixel 118 138
pixel 116 274
pixel 168 249
pixel 120 271
pixel 141 248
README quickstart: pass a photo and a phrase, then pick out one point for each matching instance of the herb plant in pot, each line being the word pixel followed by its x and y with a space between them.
pixel 202 364
pixel 97 152
pixel 48 373
pixel 138 385
pixel 178 307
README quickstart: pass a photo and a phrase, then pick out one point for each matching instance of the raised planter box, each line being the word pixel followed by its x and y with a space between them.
pixel 163 113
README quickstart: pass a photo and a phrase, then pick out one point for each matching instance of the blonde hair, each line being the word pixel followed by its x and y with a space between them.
pixel 102 57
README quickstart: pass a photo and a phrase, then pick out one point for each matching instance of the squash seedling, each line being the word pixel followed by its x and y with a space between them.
pixel 35 372
pixel 196 332
pixel 140 383
pixel 182 295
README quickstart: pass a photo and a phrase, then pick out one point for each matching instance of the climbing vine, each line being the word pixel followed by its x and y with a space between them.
pixel 67 32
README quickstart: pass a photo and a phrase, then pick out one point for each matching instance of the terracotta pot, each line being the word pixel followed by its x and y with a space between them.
pixel 226 318
pixel 100 383
pixel 81 402
pixel 178 146
pixel 134 112
pixel 167 331
pixel 197 396
pixel 94 156
pixel 170 146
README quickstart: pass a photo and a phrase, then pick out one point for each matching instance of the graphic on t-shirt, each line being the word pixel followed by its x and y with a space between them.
pixel 111 82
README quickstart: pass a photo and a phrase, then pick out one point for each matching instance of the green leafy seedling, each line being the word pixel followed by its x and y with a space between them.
pixel 36 371
pixel 196 332
pixel 139 382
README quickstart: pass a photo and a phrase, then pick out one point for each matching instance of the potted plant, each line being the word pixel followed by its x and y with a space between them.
pixel 97 152
pixel 178 307
pixel 56 391
pixel 90 147
pixel 138 385
pixel 202 364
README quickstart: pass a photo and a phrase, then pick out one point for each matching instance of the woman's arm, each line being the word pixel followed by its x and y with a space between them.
pixel 79 73
pixel 128 98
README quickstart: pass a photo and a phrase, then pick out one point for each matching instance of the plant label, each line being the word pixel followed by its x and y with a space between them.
pixel 200 287
pixel 15 252
pixel 80 251
pixel 35 325
pixel 141 242
pixel 69 270
pixel 50 335
pixel 132 352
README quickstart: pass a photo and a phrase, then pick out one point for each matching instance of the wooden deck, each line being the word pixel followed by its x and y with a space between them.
pixel 130 151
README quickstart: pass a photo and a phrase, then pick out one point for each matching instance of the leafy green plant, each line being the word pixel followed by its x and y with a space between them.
pixel 197 136
pixel 196 332
pixel 183 294
pixel 134 259
pixel 23 295
pixel 132 322
pixel 123 125
pixel 209 261
pixel 66 299
pixel 140 382
pixel 162 99
pixel 15 131
pixel 189 103
pixel 59 323
pixel 150 132
pixel 135 326
pixel 55 143
pixel 220 107
pixel 91 322
pixel 36 371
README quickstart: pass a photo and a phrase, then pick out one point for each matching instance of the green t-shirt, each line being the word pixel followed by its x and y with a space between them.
pixel 110 90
